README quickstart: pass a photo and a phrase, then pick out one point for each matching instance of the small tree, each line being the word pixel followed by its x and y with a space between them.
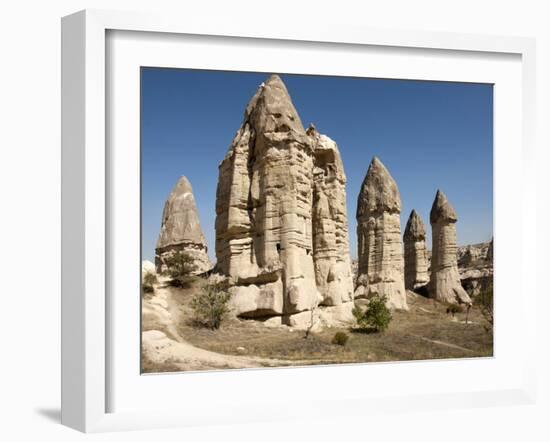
pixel 485 302
pixel 149 279
pixel 312 317
pixel 180 268
pixel 377 316
pixel 340 338
pixel 453 309
pixel 210 305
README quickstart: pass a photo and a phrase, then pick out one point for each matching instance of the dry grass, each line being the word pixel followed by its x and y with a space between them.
pixel 425 332
pixel 148 366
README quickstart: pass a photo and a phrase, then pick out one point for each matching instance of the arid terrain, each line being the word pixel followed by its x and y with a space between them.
pixel 282 289
pixel 171 342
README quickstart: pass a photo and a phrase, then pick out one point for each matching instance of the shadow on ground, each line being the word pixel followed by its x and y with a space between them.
pixel 51 414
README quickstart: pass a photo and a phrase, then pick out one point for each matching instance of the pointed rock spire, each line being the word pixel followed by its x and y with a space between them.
pixel 416 257
pixel 442 209
pixel 415 227
pixel 271 109
pixel 445 283
pixel 180 228
pixel 381 264
pixel 379 192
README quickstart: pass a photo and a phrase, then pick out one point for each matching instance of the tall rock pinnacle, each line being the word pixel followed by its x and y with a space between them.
pixel 330 223
pixel 416 257
pixel 380 253
pixel 267 199
pixel 180 229
pixel 444 279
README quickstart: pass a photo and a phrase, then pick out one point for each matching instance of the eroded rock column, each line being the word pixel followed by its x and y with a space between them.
pixel 263 209
pixel 330 225
pixel 281 225
pixel 180 229
pixel 416 258
pixel 445 283
pixel 380 249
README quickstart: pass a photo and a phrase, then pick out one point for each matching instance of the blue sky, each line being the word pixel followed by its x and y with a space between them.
pixel 429 135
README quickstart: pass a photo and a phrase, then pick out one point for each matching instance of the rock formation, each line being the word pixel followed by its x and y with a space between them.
pixel 281 227
pixel 180 229
pixel 416 258
pixel 444 279
pixel 330 224
pixel 380 249
pixel 470 255
pixel 475 267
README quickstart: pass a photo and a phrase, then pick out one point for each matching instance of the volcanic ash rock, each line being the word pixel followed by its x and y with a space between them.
pixel 266 239
pixel 445 283
pixel 380 254
pixel 416 257
pixel 180 229
pixel 330 224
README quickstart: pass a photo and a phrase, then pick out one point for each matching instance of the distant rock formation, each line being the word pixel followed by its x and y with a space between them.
pixel 380 249
pixel 475 267
pixel 281 227
pixel 416 257
pixel 445 283
pixel 180 229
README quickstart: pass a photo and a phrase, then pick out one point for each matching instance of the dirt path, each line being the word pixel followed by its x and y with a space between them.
pixel 446 344
pixel 163 344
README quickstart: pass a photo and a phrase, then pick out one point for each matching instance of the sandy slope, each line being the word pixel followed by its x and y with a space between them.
pixel 163 345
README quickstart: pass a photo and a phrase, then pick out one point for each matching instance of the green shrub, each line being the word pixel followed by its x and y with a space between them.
pixel 210 305
pixel 376 317
pixel 180 268
pixel 150 278
pixel 147 285
pixel 340 338
pixel 147 288
pixel 453 309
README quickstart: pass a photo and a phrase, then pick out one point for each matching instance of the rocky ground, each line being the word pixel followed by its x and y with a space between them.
pixel 171 342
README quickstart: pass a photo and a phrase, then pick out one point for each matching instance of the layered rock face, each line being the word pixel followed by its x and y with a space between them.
pixel 180 229
pixel 281 227
pixel 380 250
pixel 445 283
pixel 416 257
pixel 331 258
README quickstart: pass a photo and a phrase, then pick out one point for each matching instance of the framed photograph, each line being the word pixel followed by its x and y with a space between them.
pixel 271 222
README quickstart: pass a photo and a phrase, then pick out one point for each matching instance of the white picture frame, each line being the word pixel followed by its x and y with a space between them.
pixel 86 204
